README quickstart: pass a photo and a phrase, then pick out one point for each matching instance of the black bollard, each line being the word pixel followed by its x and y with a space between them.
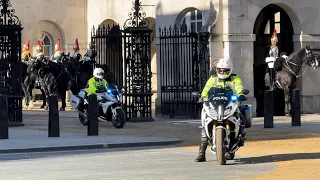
pixel 295 108
pixel 268 109
pixel 53 126
pixel 4 119
pixel 93 115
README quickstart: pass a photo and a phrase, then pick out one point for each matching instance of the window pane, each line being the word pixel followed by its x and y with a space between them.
pixel 46 50
pixel 277 17
pixel 193 15
pixel 46 40
pixel 199 15
pixel 277 27
pixel 193 27
pixel 199 25
pixel 267 29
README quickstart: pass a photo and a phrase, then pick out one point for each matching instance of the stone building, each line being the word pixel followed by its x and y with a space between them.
pixel 239 29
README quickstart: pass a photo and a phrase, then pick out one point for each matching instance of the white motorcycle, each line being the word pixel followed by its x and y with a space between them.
pixel 221 120
pixel 109 109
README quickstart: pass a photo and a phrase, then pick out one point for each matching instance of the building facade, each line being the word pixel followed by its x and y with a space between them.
pixel 239 29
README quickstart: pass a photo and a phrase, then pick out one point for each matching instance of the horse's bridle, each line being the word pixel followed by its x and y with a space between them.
pixel 300 66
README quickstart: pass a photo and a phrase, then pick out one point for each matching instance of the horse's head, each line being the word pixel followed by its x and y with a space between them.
pixel 34 65
pixel 310 60
pixel 65 58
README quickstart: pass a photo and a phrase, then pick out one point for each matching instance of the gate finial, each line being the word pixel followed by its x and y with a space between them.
pixel 136 18
pixel 7 16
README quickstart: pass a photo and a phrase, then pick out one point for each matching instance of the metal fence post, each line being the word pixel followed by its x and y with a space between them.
pixel 268 109
pixel 295 108
pixel 4 124
pixel 93 116
pixel 53 126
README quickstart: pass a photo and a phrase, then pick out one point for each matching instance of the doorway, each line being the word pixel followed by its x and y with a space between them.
pixel 271 17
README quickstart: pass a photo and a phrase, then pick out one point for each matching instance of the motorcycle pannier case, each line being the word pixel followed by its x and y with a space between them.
pixel 246 111
pixel 75 101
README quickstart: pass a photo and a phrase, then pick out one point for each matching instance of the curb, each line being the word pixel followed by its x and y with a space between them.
pixel 88 147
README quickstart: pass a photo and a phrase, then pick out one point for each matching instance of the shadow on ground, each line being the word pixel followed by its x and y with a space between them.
pixel 277 158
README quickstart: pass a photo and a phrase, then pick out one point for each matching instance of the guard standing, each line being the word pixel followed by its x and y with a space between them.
pixel 273 56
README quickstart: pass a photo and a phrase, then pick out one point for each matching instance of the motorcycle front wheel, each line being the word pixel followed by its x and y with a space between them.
pixel 120 119
pixel 220 146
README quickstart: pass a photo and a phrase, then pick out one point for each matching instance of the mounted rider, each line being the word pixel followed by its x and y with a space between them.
pixel 273 61
pixel 76 49
pixel 224 79
pixel 26 55
pixel 39 55
pixel 56 57
pixel 90 54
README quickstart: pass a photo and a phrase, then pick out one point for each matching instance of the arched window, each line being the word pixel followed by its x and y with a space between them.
pixel 46 43
pixel 194 20
pixel 273 23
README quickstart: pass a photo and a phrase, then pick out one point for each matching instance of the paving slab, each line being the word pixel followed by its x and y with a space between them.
pixel 23 140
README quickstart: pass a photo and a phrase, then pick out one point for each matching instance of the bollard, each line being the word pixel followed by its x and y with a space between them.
pixel 4 119
pixel 53 126
pixel 295 108
pixel 268 109
pixel 93 115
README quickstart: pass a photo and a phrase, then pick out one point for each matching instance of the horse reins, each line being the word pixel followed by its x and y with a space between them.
pixel 290 70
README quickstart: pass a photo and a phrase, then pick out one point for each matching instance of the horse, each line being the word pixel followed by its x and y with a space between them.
pixel 288 71
pixel 29 76
pixel 76 77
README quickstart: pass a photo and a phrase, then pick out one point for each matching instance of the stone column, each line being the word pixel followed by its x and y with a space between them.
pixel 239 48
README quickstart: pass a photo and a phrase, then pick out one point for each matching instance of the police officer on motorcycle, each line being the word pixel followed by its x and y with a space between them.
pixel 97 84
pixel 223 79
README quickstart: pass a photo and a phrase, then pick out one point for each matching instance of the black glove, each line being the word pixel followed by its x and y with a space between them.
pixel 242 98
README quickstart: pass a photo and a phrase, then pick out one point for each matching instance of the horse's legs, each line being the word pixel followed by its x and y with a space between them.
pixel 44 102
pixel 24 89
pixel 45 90
pixel 30 97
pixel 62 93
pixel 287 101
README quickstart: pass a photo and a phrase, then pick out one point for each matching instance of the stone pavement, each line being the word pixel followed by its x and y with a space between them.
pixel 25 140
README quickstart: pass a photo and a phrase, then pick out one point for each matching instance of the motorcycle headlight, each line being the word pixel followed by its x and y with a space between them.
pixel 213 112
pixel 227 111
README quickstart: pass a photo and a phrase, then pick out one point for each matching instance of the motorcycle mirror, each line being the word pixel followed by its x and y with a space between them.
pixel 195 94
pixel 245 91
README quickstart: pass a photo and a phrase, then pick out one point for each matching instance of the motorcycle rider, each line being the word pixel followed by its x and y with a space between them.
pixel 223 79
pixel 97 84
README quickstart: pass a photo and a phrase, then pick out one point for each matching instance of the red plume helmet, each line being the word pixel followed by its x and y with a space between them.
pixel 58 46
pixel 77 48
pixel 39 46
pixel 274 37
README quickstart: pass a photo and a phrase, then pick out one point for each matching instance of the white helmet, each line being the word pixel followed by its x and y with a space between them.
pixel 98 73
pixel 224 68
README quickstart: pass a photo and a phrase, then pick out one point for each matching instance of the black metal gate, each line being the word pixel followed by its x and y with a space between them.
pixel 126 55
pixel 184 68
pixel 10 61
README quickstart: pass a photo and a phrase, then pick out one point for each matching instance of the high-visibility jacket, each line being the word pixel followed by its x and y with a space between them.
pixel 233 81
pixel 96 84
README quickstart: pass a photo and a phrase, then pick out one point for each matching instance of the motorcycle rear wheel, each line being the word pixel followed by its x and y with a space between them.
pixel 84 121
pixel 120 119
pixel 220 146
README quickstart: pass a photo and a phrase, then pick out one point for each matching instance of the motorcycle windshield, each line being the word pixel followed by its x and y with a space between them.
pixel 220 97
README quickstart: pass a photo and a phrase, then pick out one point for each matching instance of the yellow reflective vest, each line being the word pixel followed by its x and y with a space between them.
pixel 96 84
pixel 234 82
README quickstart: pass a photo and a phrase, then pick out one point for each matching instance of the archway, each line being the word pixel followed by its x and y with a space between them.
pixel 271 17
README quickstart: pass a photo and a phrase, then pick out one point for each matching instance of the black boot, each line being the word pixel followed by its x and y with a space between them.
pixel 203 147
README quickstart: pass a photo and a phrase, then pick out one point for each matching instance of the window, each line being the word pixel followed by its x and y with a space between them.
pixel 273 24
pixel 193 20
pixel 46 44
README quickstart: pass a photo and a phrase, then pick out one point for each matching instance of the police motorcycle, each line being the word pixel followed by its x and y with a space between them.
pixel 109 106
pixel 220 118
